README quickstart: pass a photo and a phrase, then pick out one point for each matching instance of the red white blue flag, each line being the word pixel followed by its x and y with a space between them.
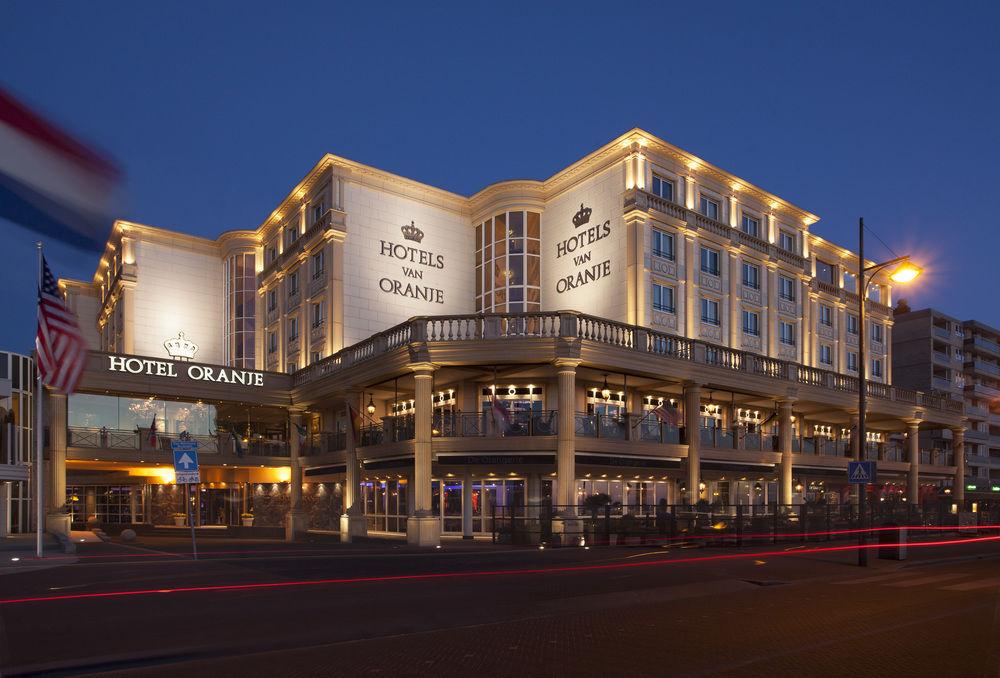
pixel 50 182
pixel 59 343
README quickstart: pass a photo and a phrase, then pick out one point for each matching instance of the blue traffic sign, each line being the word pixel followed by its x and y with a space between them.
pixel 185 461
pixel 861 472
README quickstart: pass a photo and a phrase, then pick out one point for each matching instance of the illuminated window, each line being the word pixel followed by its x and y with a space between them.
pixel 508 263
pixel 826 272
pixel 240 300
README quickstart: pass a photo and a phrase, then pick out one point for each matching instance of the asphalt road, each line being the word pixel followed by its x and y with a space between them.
pixel 384 609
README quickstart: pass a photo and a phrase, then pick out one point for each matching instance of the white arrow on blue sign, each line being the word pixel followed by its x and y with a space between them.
pixel 185 461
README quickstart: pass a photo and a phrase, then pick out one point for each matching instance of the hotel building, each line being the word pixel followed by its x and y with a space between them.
pixel 638 275
pixel 935 352
pixel 17 442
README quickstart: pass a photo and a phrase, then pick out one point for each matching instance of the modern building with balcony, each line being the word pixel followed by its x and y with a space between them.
pixel 17 442
pixel 382 355
pixel 938 353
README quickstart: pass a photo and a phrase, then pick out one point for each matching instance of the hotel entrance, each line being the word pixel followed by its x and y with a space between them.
pixel 221 507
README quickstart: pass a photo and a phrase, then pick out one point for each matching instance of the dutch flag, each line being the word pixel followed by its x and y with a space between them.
pixel 50 182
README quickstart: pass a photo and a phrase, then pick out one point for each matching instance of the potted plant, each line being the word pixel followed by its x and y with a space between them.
pixel 247 519
pixel 179 519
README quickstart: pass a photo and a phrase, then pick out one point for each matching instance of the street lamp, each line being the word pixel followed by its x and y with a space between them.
pixel 904 272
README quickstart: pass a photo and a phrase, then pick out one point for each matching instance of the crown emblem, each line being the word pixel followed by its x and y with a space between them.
pixel 413 233
pixel 180 347
pixel 582 217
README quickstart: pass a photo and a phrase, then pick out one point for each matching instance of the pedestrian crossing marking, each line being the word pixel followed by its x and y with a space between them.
pixel 872 580
pixel 926 580
pixel 972 585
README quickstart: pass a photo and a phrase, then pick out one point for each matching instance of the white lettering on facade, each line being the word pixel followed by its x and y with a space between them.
pixel 166 368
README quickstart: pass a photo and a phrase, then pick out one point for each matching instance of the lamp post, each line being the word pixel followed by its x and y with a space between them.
pixel 904 273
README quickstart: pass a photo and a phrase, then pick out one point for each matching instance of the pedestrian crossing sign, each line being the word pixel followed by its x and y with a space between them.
pixel 861 472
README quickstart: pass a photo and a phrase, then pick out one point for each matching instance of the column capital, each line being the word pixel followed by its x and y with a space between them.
pixel 958 431
pixel 913 423
pixel 689 384
pixel 566 364
pixel 422 369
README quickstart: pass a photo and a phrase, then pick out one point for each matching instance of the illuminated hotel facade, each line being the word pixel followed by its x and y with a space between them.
pixel 639 274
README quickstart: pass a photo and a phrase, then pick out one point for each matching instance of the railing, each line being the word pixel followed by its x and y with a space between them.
pixel 322 443
pixel 986 344
pixel 102 439
pixel 483 424
pixel 324 222
pixel 391 430
pixel 989 368
pixel 827 287
pixel 221 443
pixel 937 457
pixel 942 332
pixel 571 325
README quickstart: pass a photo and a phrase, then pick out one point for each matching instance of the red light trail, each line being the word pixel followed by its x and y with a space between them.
pixel 565 569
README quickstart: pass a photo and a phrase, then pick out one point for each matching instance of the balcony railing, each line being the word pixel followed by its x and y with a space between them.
pixel 221 443
pixel 571 325
pixel 327 220
pixel 484 424
pixel 322 443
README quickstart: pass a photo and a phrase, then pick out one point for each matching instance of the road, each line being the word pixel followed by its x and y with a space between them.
pixel 264 608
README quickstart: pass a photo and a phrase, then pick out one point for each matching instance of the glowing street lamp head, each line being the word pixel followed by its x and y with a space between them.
pixel 905 272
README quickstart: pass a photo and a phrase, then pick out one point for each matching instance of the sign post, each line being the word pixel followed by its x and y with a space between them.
pixel 861 473
pixel 186 473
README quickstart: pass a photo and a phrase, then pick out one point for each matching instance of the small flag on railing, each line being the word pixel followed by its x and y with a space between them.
pixel 501 416
pixel 303 433
pixel 151 436
pixel 355 417
pixel 667 414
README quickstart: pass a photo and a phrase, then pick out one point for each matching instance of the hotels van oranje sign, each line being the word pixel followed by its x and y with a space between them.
pixel 587 270
pixel 169 369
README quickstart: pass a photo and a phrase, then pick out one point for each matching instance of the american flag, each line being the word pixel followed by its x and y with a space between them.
pixel 666 413
pixel 62 352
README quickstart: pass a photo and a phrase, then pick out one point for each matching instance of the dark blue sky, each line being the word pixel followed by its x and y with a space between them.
pixel 215 110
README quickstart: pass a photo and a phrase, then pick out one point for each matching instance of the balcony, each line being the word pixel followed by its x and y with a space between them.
pixel 271 316
pixel 941 384
pixel 942 332
pixel 317 333
pixel 983 391
pixel 937 457
pixel 317 284
pixel 483 424
pixel 323 443
pixel 975 411
pixel 987 367
pixel 986 345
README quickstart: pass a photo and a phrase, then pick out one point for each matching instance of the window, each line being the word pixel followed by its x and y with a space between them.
pixel 710 260
pixel 826 315
pixel 271 254
pixel 877 333
pixel 272 300
pixel 852 362
pixel 663 188
pixel 318 210
pixel 875 292
pixel 318 261
pixel 751 226
pixel 787 334
pixel 293 284
pixel 786 288
pixel 291 367
pixel 826 354
pixel 751 276
pixel 291 235
pixel 316 357
pixel 850 282
pixel 877 368
pixel 852 323
pixel 709 311
pixel 751 323
pixel 959 354
pixel 826 272
pixel 272 342
pixel 318 314
pixel 508 262
pixel 293 329
pixel 786 241
pixel 709 208
pixel 663 298
pixel 663 244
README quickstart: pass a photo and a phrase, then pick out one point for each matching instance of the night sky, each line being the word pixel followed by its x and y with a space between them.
pixel 215 110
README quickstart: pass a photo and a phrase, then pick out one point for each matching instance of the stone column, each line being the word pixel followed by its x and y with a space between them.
pixel 913 444
pixel 423 528
pixel 958 450
pixel 785 447
pixel 566 439
pixel 57 520
pixel 352 521
pixel 692 424
pixel 467 505
pixel 297 521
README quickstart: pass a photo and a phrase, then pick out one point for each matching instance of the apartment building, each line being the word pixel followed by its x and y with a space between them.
pixel 937 352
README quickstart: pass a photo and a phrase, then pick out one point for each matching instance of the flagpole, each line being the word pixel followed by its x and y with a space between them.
pixel 39 435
